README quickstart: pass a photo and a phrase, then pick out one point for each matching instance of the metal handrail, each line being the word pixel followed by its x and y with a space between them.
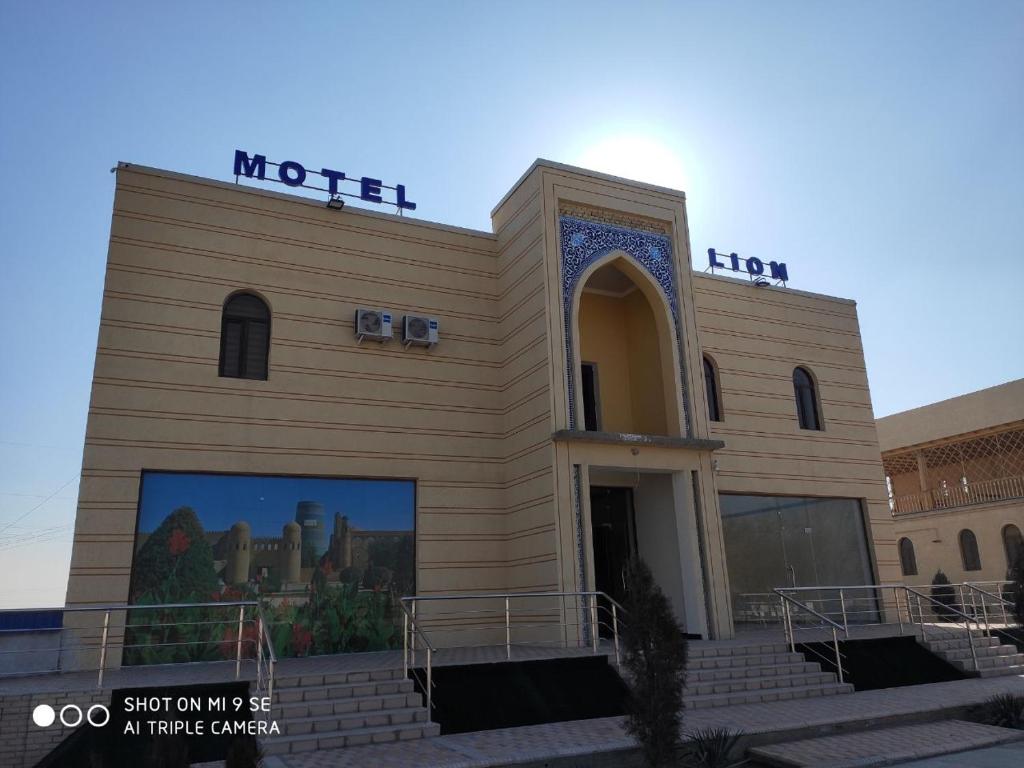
pixel 790 635
pixel 412 626
pixel 105 636
pixel 409 627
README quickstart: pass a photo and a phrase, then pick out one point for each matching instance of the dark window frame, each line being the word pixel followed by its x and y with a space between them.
pixel 238 367
pixel 712 386
pixel 805 393
pixel 970 555
pixel 908 557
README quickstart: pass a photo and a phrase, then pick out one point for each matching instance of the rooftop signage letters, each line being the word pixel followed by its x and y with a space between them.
pixel 752 265
pixel 294 174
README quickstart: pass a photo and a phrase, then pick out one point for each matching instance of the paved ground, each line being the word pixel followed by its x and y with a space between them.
pixel 885 746
pixel 1007 756
pixel 605 735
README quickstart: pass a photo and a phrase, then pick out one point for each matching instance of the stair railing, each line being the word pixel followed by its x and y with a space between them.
pixel 987 598
pixel 410 631
pixel 791 604
pixel 266 660
pixel 946 610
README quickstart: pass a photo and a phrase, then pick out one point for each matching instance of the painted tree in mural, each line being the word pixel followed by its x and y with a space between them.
pixel 655 658
pixel 174 565
pixel 176 562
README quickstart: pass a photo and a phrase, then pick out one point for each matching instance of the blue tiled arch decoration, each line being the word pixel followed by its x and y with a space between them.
pixel 583 242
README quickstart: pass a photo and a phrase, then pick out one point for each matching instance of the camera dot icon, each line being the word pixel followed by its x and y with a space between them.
pixel 44 715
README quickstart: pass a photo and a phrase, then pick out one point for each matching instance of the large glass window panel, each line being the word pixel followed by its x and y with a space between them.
pixel 786 541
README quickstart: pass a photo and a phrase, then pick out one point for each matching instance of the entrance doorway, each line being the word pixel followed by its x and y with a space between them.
pixel 613 524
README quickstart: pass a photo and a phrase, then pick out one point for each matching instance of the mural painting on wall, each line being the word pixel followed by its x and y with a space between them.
pixel 327 559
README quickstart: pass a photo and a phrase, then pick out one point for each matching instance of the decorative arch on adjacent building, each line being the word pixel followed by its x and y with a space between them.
pixel 1013 544
pixel 908 560
pixel 584 243
pixel 969 554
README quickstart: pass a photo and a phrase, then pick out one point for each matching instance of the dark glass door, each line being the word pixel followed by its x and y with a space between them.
pixel 614 535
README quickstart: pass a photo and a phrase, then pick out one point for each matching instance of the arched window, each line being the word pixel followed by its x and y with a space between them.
pixel 711 387
pixel 969 550
pixel 908 562
pixel 806 399
pixel 1013 543
pixel 244 337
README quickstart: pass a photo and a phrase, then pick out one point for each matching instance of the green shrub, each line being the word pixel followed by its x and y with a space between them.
pixel 654 653
pixel 945 595
pixel 712 748
pixel 1005 710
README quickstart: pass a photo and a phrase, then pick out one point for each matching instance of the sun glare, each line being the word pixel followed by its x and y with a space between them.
pixel 637 157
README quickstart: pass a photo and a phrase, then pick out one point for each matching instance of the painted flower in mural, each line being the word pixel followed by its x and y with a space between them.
pixel 302 639
pixel 179 543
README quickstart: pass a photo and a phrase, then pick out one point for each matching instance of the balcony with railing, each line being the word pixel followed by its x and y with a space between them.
pixel 960 495
pixel 957 473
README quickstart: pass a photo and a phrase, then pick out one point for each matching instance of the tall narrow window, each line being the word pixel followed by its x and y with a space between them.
pixel 969 550
pixel 244 337
pixel 591 404
pixel 1013 543
pixel 711 387
pixel 908 561
pixel 806 399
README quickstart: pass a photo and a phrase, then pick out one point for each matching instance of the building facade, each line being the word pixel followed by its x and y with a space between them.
pixel 589 398
pixel 956 478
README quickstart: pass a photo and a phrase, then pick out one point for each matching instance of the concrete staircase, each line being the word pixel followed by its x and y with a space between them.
pixel 331 711
pixel 994 658
pixel 720 675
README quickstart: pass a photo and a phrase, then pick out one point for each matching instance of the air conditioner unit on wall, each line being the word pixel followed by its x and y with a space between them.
pixel 373 324
pixel 419 330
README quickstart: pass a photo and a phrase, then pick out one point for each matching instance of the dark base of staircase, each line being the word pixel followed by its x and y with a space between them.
pixel 888 662
pixel 479 697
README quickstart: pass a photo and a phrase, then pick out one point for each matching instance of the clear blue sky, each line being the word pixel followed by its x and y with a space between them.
pixel 876 147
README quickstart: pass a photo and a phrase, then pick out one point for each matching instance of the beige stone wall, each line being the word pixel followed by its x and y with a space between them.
pixel 179 246
pixel 471 420
pixel 757 336
pixel 935 536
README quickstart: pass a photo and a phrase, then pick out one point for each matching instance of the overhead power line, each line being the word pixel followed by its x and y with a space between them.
pixel 17 520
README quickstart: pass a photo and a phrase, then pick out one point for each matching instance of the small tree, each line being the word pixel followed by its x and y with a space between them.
pixel 1017 588
pixel 943 592
pixel 655 658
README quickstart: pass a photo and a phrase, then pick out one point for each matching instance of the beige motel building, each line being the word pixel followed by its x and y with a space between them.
pixel 956 478
pixel 593 393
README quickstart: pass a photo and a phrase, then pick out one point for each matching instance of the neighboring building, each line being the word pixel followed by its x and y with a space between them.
pixel 956 477
pixel 590 398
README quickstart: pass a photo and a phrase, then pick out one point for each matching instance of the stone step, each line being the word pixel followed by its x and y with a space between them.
pixel 989 662
pixel 732 673
pixel 352 721
pixel 283 681
pixel 883 746
pixel 751 660
pixel 981 653
pixel 764 695
pixel 1016 669
pixel 282 745
pixel 714 651
pixel 341 691
pixel 949 645
pixel 760 683
pixel 344 706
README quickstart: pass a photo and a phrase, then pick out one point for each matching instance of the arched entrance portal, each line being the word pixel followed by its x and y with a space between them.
pixel 627 366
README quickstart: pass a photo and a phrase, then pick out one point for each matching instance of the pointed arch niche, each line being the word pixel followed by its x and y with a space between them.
pixel 622 325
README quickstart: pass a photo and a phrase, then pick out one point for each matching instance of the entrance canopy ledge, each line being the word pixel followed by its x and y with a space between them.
pixel 624 438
